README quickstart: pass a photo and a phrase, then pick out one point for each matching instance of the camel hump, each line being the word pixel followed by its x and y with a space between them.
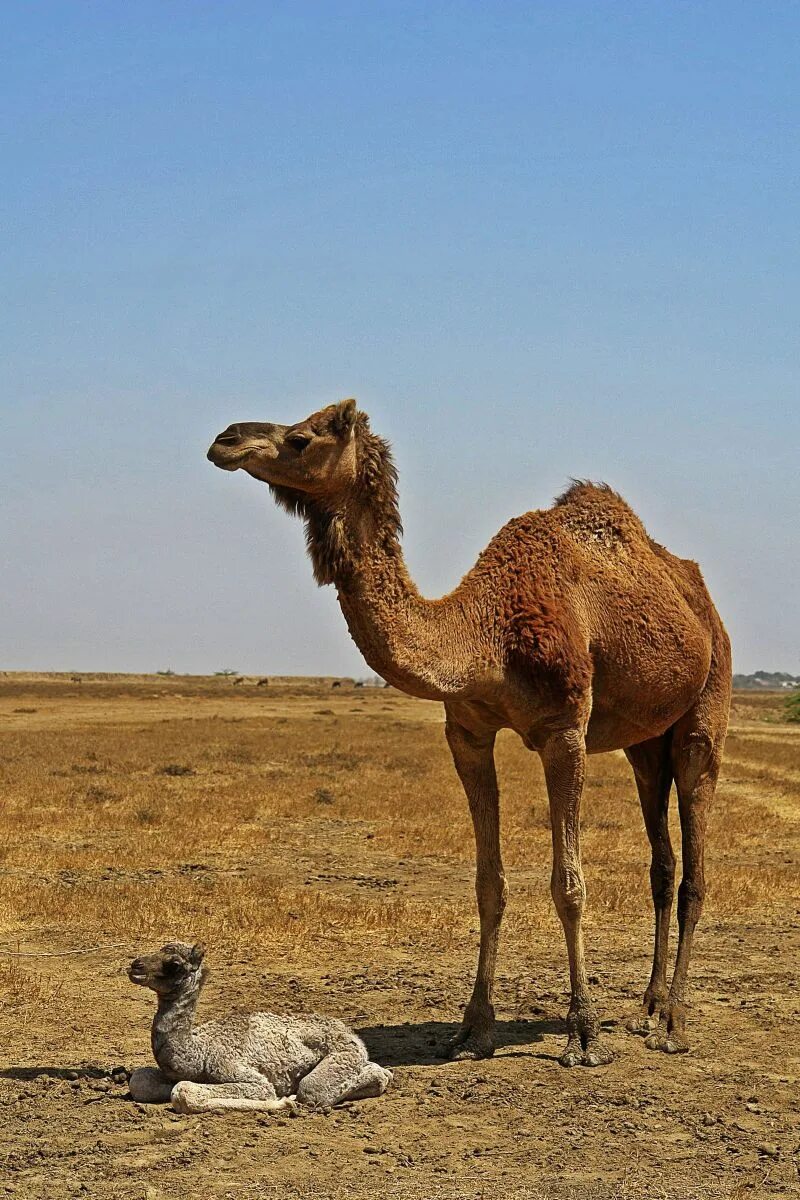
pixel 595 511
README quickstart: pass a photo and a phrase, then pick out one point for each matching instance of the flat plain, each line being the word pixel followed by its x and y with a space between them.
pixel 318 840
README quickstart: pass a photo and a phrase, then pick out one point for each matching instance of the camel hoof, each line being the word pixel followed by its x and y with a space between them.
pixel 669 1043
pixel 642 1025
pixel 595 1054
pixel 468 1045
pixel 572 1057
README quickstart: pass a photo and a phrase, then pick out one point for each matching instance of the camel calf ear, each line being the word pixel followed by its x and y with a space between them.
pixel 197 953
pixel 344 418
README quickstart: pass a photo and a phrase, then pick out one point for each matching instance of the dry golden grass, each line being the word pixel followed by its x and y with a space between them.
pixel 126 815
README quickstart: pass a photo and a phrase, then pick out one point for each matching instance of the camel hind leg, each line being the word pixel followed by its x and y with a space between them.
pixel 344 1075
pixel 698 739
pixel 372 1080
pixel 652 768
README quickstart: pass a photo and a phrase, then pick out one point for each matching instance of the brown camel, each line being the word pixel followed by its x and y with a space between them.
pixel 573 628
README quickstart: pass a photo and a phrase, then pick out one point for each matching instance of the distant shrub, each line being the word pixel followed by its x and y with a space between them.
pixel 169 671
pixel 226 671
pixel 176 769
pixel 793 707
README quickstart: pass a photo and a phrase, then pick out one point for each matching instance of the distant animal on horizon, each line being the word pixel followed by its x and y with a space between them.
pixel 576 630
pixel 243 1061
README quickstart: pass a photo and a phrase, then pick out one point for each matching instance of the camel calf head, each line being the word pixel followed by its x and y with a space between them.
pixel 174 967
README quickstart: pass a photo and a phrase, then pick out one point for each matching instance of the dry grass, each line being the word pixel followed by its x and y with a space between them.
pixel 123 827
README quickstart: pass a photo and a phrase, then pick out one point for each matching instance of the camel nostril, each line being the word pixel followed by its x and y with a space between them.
pixel 228 438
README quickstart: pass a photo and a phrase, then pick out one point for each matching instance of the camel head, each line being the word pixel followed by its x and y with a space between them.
pixel 173 968
pixel 312 460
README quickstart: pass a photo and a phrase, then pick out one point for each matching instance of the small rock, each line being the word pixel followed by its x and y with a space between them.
pixel 72 1074
pixel 768 1149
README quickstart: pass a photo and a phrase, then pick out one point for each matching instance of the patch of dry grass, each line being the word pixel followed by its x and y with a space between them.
pixel 235 819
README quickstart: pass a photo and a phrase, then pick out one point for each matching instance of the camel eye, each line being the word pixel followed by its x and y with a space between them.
pixel 298 441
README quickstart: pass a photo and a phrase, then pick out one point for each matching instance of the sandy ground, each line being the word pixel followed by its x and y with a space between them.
pixel 371 918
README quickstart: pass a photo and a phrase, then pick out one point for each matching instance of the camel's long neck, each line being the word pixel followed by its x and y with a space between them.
pixel 421 646
pixel 171 1034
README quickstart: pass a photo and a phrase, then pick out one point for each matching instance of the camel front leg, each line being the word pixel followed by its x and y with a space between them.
pixel 564 759
pixel 473 756
pixel 343 1075
pixel 217 1097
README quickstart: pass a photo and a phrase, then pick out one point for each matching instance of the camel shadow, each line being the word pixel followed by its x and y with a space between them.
pixel 28 1074
pixel 424 1044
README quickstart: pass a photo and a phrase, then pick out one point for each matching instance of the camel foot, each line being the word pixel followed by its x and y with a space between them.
pixel 647 1020
pixel 670 1035
pixel 670 1043
pixel 584 1047
pixel 593 1054
pixel 470 1043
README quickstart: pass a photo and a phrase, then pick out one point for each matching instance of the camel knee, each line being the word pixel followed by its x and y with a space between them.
pixel 691 895
pixel 491 889
pixel 148 1086
pixel 662 877
pixel 568 890
pixel 693 759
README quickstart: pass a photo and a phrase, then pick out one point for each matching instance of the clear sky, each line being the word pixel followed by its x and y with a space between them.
pixel 535 240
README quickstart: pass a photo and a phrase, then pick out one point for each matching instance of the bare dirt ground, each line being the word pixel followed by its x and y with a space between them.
pixel 318 840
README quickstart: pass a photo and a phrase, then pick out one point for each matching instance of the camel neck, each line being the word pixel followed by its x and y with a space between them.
pixel 171 1035
pixel 424 647
pixel 420 646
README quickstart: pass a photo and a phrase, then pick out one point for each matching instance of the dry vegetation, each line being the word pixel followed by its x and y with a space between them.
pixel 318 839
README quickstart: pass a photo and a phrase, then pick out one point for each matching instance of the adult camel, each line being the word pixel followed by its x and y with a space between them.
pixel 573 628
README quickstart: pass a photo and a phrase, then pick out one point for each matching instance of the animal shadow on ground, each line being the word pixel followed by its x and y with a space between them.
pixel 31 1073
pixel 426 1043
pixel 423 1044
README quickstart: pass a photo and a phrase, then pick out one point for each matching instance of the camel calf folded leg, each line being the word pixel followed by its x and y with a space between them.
pixel 216 1097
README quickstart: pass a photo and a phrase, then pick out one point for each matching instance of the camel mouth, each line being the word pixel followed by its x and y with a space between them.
pixel 136 976
pixel 226 459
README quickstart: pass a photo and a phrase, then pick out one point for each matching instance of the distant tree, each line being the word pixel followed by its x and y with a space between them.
pixel 169 671
pixel 227 671
pixel 793 707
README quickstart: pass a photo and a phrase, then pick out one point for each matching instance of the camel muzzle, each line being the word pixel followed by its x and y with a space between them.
pixel 231 447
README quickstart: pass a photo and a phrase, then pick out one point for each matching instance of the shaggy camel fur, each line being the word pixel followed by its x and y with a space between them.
pixel 576 630
pixel 245 1060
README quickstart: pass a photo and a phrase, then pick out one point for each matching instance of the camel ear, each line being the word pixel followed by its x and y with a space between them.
pixel 197 953
pixel 344 418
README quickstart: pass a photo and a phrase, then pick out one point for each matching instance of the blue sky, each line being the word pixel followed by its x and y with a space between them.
pixel 534 240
